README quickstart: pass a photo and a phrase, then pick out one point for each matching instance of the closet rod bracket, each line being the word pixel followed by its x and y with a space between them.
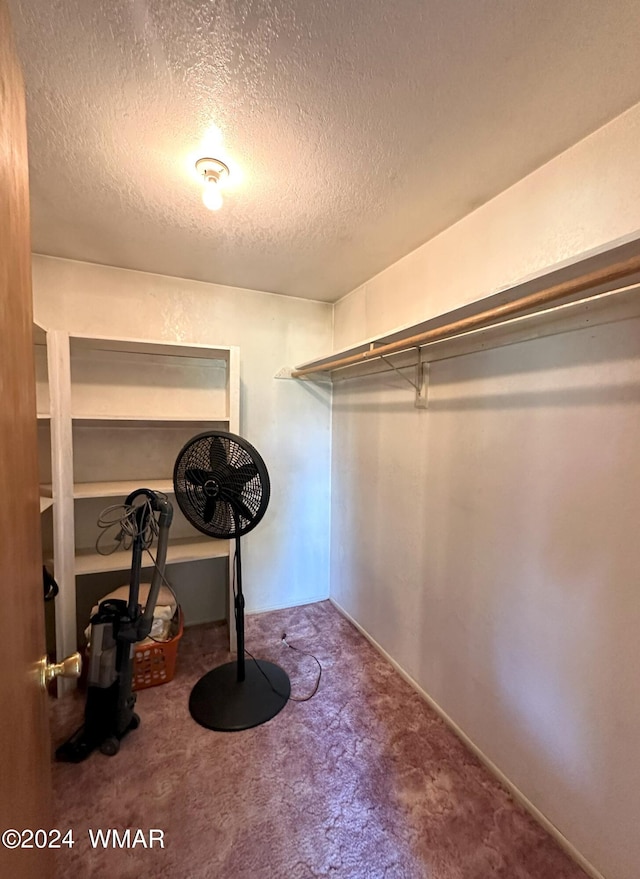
pixel 421 383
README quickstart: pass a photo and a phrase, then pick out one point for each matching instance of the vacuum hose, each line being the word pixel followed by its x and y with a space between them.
pixel 162 506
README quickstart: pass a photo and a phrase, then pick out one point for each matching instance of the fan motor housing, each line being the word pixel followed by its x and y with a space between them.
pixel 211 488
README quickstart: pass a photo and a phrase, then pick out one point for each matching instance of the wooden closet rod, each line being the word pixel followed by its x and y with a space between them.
pixel 491 315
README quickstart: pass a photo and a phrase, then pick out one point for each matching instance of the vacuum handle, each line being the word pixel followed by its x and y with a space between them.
pixel 163 506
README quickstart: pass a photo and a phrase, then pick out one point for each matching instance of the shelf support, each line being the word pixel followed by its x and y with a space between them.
pixel 422 391
pixel 421 384
pixel 414 384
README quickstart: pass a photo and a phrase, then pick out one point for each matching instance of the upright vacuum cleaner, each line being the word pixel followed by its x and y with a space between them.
pixel 115 629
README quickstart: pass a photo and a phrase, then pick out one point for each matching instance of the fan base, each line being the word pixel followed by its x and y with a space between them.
pixel 219 701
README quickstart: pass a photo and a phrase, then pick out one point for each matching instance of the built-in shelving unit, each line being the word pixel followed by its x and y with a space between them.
pixel 113 415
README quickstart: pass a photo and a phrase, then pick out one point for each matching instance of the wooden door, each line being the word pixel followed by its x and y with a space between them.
pixel 25 773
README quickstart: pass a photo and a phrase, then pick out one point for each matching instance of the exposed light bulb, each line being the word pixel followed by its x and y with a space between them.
pixel 211 196
pixel 213 171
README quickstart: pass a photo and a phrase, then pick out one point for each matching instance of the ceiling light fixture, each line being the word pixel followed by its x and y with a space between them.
pixel 213 171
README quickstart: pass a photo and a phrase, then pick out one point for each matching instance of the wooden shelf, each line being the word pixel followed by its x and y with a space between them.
pixel 114 488
pixel 144 346
pixel 600 308
pixel 39 334
pixel 45 503
pixel 43 416
pixel 146 420
pixel 120 489
pixel 188 549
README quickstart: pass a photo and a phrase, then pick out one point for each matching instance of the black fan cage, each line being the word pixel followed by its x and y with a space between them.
pixel 221 484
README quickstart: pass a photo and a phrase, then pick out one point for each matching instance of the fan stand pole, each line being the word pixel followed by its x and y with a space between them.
pixel 239 612
pixel 239 695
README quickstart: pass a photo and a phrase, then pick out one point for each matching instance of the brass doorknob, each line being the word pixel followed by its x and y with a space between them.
pixel 70 667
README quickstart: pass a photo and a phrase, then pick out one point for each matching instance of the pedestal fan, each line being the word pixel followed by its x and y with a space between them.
pixel 222 486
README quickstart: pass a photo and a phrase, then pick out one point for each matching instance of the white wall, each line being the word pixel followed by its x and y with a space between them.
pixel 490 543
pixel 285 559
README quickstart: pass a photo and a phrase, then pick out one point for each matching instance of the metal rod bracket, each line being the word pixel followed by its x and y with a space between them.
pixel 421 383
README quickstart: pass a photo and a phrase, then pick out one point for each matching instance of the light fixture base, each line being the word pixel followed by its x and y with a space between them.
pixel 212 169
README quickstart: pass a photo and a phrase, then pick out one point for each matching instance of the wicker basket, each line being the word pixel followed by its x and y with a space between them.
pixel 155 662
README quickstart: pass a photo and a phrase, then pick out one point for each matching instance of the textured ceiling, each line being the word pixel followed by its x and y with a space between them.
pixel 356 130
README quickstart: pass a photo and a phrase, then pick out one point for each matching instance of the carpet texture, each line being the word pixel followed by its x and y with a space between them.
pixel 363 781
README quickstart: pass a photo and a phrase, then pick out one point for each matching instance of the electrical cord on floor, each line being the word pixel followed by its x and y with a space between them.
pixel 291 698
pixel 305 653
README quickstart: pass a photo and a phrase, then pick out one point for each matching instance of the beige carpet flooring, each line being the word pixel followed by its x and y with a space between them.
pixel 363 781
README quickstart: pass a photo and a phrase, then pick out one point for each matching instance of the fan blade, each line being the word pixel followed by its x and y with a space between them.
pixel 225 520
pixel 244 474
pixel 240 507
pixel 197 476
pixel 209 509
pixel 217 452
